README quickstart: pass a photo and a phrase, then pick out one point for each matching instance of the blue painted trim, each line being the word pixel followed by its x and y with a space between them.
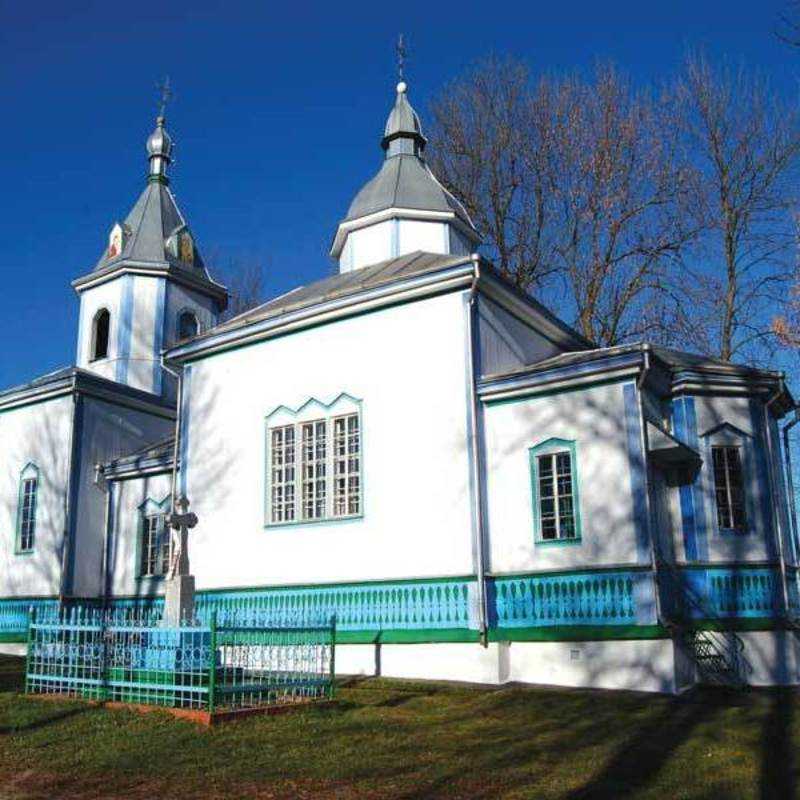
pixel 124 329
pixel 81 329
pixel 554 445
pixel 158 334
pixel 184 432
pixel 695 542
pixel 762 475
pixel 638 471
pixel 74 490
pixel 395 238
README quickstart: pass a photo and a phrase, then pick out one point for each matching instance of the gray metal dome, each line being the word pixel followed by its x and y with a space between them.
pixel 159 142
pixel 403 122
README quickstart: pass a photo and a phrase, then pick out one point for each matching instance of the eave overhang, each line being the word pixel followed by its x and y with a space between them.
pixel 152 269
pixel 535 380
pixel 679 462
pixel 79 381
pixel 347 226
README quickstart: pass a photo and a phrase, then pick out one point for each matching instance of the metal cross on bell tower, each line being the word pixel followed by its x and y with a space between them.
pixel 164 95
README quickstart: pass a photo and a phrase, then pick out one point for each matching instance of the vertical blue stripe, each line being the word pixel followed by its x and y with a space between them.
pixel 124 329
pixel 158 334
pixel 184 430
pixel 74 490
pixel 636 460
pixel 81 326
pixel 762 476
pixel 395 240
pixel 695 541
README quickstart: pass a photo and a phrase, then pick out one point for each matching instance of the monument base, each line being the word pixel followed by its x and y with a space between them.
pixel 178 600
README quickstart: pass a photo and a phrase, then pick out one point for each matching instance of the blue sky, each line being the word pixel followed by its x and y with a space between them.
pixel 277 116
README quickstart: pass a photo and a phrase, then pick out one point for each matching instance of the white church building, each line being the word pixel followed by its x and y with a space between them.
pixel 412 444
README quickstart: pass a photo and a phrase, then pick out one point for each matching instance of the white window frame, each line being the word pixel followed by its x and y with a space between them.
pixel 317 466
pixel 725 447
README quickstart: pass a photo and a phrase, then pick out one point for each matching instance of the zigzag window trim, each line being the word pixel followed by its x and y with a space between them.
pixel 155 541
pixel 313 469
pixel 555 492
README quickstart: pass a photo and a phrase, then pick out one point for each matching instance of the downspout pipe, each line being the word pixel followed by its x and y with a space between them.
pixel 476 452
pixel 102 484
pixel 776 517
pixel 178 375
pixel 787 457
pixel 69 510
pixel 640 382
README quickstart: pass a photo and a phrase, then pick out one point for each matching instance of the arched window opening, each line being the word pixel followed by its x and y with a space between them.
pixel 187 325
pixel 102 325
pixel 26 508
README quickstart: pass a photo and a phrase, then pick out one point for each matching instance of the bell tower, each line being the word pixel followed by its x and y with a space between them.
pixel 149 288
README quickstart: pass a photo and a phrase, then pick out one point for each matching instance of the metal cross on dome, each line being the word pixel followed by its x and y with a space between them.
pixel 401 57
pixel 165 95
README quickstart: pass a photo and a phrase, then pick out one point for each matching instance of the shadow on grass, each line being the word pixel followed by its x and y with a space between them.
pixel 777 777
pixel 638 760
pixel 42 722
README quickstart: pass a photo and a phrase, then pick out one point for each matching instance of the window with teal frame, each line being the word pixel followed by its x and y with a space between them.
pixel 26 509
pixel 555 492
pixel 155 540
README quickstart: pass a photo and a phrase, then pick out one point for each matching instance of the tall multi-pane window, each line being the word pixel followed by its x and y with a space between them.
pixel 556 496
pixel 315 469
pixel 27 513
pixel 729 487
pixel 155 546
pixel 346 466
pixel 282 473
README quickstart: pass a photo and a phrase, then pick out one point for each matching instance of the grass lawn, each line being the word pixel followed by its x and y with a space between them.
pixel 393 739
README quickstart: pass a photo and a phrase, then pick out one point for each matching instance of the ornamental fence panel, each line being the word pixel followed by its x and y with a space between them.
pixel 126 655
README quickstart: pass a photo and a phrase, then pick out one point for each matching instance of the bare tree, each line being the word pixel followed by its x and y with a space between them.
pixel 489 146
pixel 744 145
pixel 788 28
pixel 244 279
pixel 572 179
pixel 620 191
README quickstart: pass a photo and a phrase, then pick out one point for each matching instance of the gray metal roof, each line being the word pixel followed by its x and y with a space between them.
pixel 675 360
pixel 344 284
pixel 153 227
pixel 404 179
pixel 42 380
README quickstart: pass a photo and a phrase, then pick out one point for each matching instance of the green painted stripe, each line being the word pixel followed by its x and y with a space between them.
pixel 577 633
pixel 14 637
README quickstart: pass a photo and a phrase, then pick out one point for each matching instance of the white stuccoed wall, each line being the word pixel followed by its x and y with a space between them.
pixel 129 495
pixel 38 433
pixel 156 304
pixel 407 365
pixel 595 419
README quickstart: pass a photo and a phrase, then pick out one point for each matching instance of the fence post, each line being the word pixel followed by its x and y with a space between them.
pixel 31 621
pixel 212 665
pixel 333 656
